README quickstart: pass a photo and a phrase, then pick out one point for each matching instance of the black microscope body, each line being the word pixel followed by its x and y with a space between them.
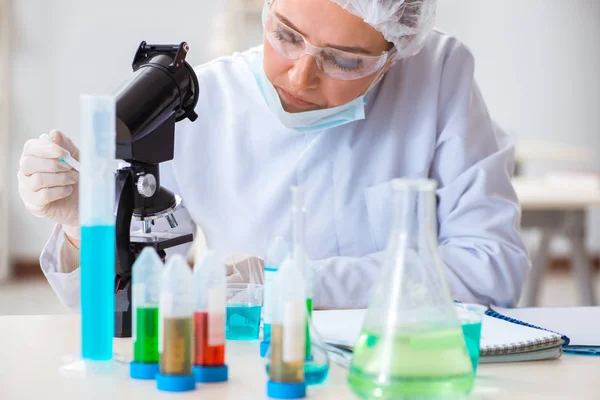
pixel 162 91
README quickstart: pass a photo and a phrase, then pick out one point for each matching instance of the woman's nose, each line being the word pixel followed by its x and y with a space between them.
pixel 303 74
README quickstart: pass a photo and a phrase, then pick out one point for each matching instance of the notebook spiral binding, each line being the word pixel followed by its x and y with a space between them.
pixel 520 346
pixel 528 345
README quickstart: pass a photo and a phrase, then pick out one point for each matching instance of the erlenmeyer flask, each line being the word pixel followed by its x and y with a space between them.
pixel 411 345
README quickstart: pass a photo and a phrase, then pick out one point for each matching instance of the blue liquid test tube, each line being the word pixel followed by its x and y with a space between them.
pixel 96 216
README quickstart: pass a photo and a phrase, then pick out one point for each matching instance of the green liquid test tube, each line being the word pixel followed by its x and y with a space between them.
pixel 145 319
pixel 145 348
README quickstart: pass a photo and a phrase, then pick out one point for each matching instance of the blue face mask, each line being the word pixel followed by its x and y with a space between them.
pixel 307 121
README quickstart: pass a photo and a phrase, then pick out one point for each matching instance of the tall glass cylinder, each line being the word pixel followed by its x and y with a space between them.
pixel 96 217
pixel 299 255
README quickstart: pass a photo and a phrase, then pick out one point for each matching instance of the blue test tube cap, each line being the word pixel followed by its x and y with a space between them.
pixel 281 390
pixel 212 374
pixel 175 383
pixel 143 370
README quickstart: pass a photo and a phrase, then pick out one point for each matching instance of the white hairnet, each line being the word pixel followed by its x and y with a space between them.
pixel 405 23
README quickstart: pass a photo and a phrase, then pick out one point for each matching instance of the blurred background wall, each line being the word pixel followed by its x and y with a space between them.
pixel 537 63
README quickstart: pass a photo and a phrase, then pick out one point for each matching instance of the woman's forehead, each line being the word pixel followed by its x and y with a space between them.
pixel 324 23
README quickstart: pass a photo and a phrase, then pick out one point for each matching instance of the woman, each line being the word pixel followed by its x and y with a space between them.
pixel 343 97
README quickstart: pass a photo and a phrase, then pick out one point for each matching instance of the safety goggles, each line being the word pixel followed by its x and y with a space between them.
pixel 337 64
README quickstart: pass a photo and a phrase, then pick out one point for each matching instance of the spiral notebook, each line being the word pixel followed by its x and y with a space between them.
pixel 503 339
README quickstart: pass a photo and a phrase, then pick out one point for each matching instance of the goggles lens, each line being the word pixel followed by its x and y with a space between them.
pixel 334 63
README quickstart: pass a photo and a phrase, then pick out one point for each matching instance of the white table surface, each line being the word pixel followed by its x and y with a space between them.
pixel 31 348
pixel 543 194
pixel 558 205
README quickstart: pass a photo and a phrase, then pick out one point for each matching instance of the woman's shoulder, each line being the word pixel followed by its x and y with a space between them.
pixel 437 50
pixel 230 66
pixel 443 57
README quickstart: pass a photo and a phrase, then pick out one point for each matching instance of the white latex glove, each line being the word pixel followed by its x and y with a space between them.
pixel 198 247
pixel 48 187
pixel 244 269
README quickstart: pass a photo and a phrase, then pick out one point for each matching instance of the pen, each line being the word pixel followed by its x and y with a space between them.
pixel 582 350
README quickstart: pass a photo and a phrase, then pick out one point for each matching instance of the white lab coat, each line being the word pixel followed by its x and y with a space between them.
pixel 426 119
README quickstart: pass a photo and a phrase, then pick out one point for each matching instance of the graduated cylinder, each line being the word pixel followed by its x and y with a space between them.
pixel 96 216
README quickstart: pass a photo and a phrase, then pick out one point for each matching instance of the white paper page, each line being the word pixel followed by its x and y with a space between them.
pixel 497 332
pixel 339 327
pixel 580 324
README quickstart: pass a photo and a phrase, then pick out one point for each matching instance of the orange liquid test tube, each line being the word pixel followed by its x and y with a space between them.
pixel 209 319
pixel 206 353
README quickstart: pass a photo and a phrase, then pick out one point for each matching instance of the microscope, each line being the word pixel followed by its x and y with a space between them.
pixel 163 90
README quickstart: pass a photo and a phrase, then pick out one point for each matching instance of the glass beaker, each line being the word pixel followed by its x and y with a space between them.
pixel 244 304
pixel 470 317
pixel 411 345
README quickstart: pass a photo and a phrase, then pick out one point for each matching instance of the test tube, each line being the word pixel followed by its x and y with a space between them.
pixel 300 258
pixel 66 157
pixel 288 335
pixel 96 216
pixel 176 307
pixel 276 253
pixel 145 294
pixel 209 319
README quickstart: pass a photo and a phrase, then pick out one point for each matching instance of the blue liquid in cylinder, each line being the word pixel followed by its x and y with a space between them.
pixel 97 262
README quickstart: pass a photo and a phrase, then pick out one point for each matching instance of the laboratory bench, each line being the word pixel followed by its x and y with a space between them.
pixel 32 349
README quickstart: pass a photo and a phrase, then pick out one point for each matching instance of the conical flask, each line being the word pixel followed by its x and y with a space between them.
pixel 411 345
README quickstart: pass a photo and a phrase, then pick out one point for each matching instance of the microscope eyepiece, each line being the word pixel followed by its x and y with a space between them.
pixel 163 89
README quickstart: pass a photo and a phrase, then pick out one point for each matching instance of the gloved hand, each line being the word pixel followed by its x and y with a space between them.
pixel 244 269
pixel 48 187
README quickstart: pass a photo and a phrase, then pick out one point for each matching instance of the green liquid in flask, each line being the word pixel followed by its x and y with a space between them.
pixel 416 365
pixel 145 347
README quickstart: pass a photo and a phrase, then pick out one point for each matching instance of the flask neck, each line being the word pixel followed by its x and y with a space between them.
pixel 414 222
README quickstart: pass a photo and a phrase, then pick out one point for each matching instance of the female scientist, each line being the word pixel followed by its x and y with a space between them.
pixel 342 97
